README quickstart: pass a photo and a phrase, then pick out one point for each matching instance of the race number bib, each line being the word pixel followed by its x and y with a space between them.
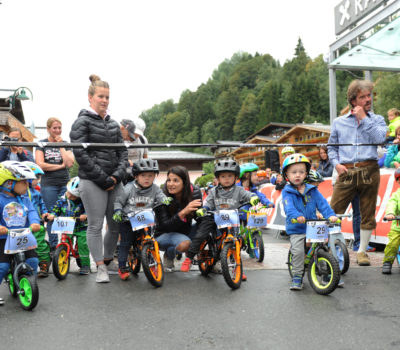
pixel 226 218
pixel 63 225
pixel 19 240
pixel 333 229
pixel 256 219
pixel 142 219
pixel 317 231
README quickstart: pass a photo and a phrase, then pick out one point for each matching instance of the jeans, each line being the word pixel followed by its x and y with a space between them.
pixel 50 195
pixel 355 204
pixel 5 267
pixel 169 241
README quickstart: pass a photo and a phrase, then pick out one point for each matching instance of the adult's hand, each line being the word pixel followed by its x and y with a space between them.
pixel 341 169
pixel 359 112
pixel 192 206
pixel 110 188
pixel 396 140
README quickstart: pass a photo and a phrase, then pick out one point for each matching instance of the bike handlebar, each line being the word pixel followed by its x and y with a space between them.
pixel 395 218
pixel 338 221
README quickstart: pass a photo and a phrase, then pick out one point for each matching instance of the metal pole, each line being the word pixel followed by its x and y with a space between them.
pixel 332 95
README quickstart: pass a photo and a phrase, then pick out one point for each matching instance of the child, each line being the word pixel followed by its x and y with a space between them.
pixel 16 211
pixel 394 123
pixel 43 249
pixel 70 205
pixel 224 196
pixel 392 210
pixel 139 194
pixel 300 202
pixel 287 151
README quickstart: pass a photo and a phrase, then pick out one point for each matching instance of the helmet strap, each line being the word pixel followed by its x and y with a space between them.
pixel 10 189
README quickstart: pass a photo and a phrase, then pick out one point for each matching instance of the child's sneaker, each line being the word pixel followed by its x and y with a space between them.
pixel 123 273
pixel 85 270
pixel 244 277
pixel 2 302
pixel 44 269
pixel 187 263
pixel 341 284
pixel 387 268
pixel 297 283
pixel 168 263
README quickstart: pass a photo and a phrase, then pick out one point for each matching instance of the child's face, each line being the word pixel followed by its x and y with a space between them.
pixel 226 179
pixel 297 173
pixel 288 155
pixel 35 182
pixel 21 187
pixel 391 116
pixel 254 177
pixel 70 196
pixel 146 179
pixel 279 178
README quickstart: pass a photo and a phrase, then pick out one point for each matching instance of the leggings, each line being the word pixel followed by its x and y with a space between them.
pixel 99 203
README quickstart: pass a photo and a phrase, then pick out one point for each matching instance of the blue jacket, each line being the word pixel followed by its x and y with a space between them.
pixel 306 204
pixel 263 199
pixel 23 156
pixel 36 198
pixel 16 212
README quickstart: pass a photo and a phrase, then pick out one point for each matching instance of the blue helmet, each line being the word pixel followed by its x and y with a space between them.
pixel 247 168
pixel 34 167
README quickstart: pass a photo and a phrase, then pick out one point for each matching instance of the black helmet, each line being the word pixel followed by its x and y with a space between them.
pixel 145 165
pixel 226 165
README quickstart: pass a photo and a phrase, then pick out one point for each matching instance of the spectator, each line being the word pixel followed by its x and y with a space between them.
pixel 392 159
pixel 132 131
pixel 54 162
pixel 325 167
pixel 280 182
pixel 16 153
pixel 100 171
pixel 394 123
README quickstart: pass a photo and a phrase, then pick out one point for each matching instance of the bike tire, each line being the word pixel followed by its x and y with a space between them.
pixel 152 265
pixel 343 256
pixel 327 280
pixel 289 263
pixel 231 270
pixel 11 285
pixel 258 244
pixel 29 292
pixel 205 258
pixel 61 262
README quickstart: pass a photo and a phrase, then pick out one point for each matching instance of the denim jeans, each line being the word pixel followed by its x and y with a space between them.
pixel 355 204
pixel 50 195
pixel 169 241
pixel 4 267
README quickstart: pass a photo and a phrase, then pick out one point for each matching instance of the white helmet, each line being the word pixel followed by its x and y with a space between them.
pixel 17 171
pixel 140 126
pixel 73 186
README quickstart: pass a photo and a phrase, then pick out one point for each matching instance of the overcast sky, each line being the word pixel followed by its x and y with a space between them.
pixel 149 51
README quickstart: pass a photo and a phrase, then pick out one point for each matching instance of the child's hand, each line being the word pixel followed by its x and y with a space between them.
pixel 35 227
pixel 3 230
pixel 389 217
pixel 271 205
pixel 50 217
pixel 319 216
pixel 333 219
pixel 83 217
pixel 301 219
pixel 44 216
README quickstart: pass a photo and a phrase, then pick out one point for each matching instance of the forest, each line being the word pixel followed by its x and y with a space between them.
pixel 246 92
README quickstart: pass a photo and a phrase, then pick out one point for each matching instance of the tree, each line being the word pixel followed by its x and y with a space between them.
pixel 246 120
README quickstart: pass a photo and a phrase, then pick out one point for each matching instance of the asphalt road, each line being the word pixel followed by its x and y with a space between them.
pixel 193 312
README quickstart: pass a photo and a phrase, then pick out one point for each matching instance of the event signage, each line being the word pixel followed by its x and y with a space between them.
pixel 348 12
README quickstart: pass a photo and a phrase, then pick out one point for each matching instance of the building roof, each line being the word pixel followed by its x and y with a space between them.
pixel 263 131
pixel 16 111
pixel 314 126
pixel 162 155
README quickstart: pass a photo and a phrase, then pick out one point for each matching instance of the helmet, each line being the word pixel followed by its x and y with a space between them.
pixel 288 149
pixel 397 173
pixel 314 176
pixel 261 173
pixel 227 165
pixel 17 171
pixel 247 168
pixel 34 167
pixel 145 165
pixel 73 186
pixel 293 159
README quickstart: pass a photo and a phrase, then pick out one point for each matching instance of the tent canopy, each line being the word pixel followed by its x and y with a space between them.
pixel 381 51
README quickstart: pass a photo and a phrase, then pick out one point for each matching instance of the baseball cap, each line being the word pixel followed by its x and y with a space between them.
pixel 130 126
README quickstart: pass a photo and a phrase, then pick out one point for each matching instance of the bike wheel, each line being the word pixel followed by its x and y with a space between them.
pixel 28 292
pixel 61 262
pixel 205 258
pixel 152 265
pixel 134 263
pixel 324 275
pixel 11 285
pixel 289 263
pixel 231 269
pixel 343 256
pixel 258 244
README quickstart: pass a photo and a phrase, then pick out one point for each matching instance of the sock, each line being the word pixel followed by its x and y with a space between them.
pixel 365 236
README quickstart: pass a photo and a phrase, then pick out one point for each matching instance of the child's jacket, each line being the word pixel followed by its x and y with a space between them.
pixel 37 201
pixel 263 198
pixel 393 207
pixel 65 207
pixel 16 212
pixel 306 204
pixel 134 198
pixel 219 199
pixel 393 125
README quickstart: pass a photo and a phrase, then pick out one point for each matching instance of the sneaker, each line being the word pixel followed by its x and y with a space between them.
pixel 340 284
pixel 102 274
pixel 44 269
pixel 217 268
pixel 123 273
pixel 168 263
pixel 112 266
pixel 187 263
pixel 363 259
pixel 387 268
pixel 371 249
pixel 244 277
pixel 2 302
pixel 85 270
pixel 297 283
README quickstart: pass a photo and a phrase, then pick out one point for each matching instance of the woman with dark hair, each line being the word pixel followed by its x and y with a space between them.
pixel 174 222
pixel 325 167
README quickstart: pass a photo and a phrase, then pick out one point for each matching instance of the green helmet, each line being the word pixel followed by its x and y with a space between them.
pixel 314 176
pixel 247 168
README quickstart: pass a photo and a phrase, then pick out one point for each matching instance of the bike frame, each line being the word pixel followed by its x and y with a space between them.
pixel 66 240
pixel 18 264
